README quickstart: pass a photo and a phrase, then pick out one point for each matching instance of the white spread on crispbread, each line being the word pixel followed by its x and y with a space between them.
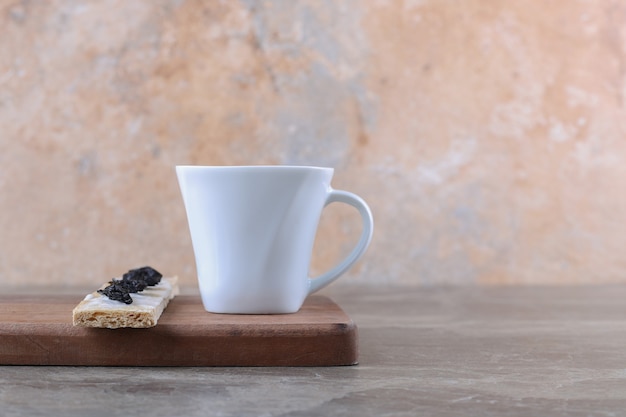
pixel 97 310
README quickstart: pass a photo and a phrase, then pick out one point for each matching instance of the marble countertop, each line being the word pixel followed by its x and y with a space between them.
pixel 466 351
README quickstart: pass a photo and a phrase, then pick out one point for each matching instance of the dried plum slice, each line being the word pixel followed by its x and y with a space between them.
pixel 131 286
pixel 148 274
pixel 117 292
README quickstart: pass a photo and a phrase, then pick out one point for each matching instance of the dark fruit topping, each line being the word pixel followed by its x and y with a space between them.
pixel 117 293
pixel 150 275
pixel 135 280
pixel 130 285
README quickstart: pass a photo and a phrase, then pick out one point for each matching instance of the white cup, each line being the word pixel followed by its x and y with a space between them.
pixel 252 230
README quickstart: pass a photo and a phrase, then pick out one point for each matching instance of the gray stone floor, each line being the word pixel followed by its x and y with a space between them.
pixel 475 351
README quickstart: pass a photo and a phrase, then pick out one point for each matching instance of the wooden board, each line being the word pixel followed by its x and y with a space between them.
pixel 38 330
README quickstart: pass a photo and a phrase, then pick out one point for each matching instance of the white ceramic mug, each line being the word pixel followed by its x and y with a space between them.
pixel 252 230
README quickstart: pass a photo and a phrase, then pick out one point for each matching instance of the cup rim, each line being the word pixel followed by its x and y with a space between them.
pixel 253 167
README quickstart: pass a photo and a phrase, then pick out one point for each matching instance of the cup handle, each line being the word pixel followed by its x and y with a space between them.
pixel 357 202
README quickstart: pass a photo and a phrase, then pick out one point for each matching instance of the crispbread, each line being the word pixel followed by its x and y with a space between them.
pixel 97 310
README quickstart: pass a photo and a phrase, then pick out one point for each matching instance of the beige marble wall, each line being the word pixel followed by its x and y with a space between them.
pixel 488 136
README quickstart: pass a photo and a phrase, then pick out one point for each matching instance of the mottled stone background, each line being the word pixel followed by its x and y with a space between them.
pixel 488 136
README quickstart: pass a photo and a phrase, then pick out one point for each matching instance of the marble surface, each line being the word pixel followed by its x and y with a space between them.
pixel 439 351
